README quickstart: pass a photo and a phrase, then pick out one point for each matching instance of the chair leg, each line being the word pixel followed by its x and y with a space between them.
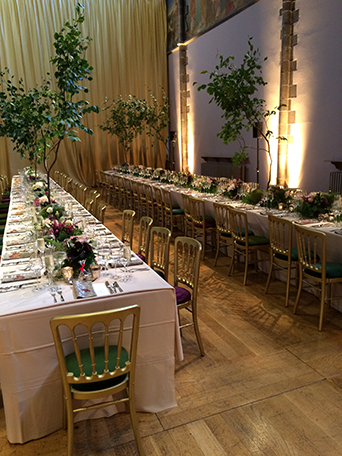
pixel 231 267
pixel 134 421
pixel 217 248
pixel 299 290
pixel 198 335
pixel 246 269
pixel 288 285
pixel 321 313
pixel 269 276
pixel 70 419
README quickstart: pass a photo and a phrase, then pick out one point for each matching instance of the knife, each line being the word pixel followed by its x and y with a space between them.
pixel 111 291
pixel 116 285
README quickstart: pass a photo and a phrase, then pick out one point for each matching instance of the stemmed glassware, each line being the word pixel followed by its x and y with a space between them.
pixel 36 267
pixel 49 264
pixel 104 252
pixel 116 255
pixel 126 256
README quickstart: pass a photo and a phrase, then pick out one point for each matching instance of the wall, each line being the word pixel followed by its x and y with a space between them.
pixel 319 96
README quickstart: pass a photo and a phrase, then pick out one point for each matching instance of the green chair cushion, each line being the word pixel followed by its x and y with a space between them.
pixel 255 240
pixel 72 366
pixel 334 271
pixel 228 235
pixel 176 211
pixel 160 273
pixel 294 255
pixel 4 205
pixel 2 229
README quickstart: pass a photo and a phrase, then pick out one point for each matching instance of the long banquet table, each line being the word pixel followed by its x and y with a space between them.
pixel 29 374
pixel 258 223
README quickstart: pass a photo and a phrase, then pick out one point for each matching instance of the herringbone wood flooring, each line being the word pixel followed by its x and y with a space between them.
pixel 270 383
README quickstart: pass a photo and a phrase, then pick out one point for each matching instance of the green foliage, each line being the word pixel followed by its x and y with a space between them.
pixel 315 204
pixel 132 117
pixel 38 120
pixel 253 197
pixel 235 90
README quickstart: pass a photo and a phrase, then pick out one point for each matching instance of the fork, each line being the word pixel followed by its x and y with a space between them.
pixel 60 292
pixel 53 294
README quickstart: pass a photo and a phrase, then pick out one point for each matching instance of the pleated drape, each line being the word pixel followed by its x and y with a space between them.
pixel 128 54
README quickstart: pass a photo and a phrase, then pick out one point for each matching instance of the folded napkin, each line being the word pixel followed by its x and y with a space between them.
pixel 134 261
pixel 18 276
pixel 83 289
pixel 15 254
pixel 17 228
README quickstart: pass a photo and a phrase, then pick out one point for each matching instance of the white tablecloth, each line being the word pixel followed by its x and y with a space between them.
pixel 29 374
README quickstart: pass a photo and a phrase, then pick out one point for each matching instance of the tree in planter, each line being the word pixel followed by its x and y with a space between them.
pixel 39 120
pixel 234 89
pixel 132 117
pixel 126 121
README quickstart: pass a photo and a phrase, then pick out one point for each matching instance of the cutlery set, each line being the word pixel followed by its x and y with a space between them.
pixel 56 290
pixel 114 287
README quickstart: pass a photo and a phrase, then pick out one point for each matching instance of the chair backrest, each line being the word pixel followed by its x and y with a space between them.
pixel 197 211
pixel 167 199
pixel 280 235
pixel 56 174
pixel 100 212
pixel 97 346
pixel 238 225
pixel 127 227
pixel 186 207
pixel 311 246
pixel 160 249
pixel 222 218
pixel 159 200
pixel 89 202
pixel 187 258
pixel 68 186
pixel 145 225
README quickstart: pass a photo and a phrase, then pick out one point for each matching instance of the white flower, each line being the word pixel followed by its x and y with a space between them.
pixel 49 210
pixel 68 222
pixel 43 199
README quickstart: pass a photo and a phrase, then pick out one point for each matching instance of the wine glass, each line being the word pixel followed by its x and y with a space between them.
pixel 49 264
pixel 116 255
pixel 126 256
pixel 36 267
pixel 104 253
pixel 40 242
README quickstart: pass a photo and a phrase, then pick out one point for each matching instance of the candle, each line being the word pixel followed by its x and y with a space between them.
pixel 280 206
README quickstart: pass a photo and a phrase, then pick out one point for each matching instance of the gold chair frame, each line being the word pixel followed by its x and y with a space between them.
pixel 88 334
pixel 160 249
pixel 169 216
pixel 127 227
pixel 312 255
pixel 223 232
pixel 187 215
pixel 239 230
pixel 145 225
pixel 186 272
pixel 159 207
pixel 280 233
pixel 198 222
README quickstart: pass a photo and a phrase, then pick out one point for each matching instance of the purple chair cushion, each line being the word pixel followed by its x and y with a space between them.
pixel 182 295
pixel 141 256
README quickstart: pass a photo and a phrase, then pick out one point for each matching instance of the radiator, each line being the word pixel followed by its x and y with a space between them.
pixel 214 169
pixel 335 182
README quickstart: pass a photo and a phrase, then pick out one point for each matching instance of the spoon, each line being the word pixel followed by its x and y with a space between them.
pixel 53 294
pixel 60 292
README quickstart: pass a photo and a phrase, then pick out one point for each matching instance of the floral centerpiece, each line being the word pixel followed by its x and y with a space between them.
pixel 275 196
pixel 231 189
pixel 315 203
pixel 182 179
pixel 80 254
pixel 204 184
pixel 39 189
pixel 60 230
pixel 253 197
pixel 52 211
pixel 157 173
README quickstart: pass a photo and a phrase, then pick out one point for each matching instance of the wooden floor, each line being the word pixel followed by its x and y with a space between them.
pixel 270 383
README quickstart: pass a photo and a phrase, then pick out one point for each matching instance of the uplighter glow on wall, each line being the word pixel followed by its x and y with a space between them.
pixel 295 156
pixel 191 151
pixel 273 148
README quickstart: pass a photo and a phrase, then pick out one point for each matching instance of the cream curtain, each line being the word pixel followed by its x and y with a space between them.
pixel 128 54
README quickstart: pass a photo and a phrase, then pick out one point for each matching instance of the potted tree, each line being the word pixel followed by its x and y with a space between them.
pixel 234 89
pixel 38 120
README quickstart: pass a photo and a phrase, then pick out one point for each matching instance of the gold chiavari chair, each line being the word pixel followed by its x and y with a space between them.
pixel 135 197
pixel 145 225
pixel 314 269
pixel 202 225
pixel 159 206
pixel 100 211
pixel 99 367
pixel 172 214
pixel 283 257
pixel 160 250
pixel 244 241
pixel 223 233
pixel 143 209
pixel 150 202
pixel 186 277
pixel 127 183
pixel 127 227
pixel 187 215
